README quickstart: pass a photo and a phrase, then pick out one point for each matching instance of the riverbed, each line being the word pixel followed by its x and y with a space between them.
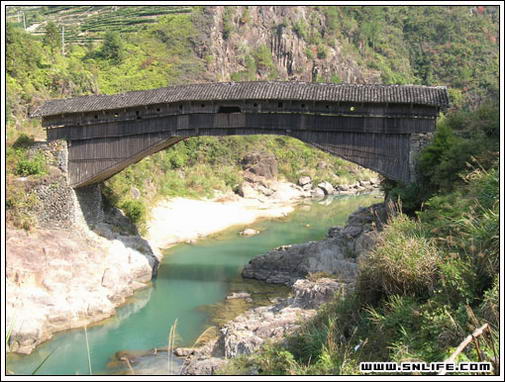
pixel 191 280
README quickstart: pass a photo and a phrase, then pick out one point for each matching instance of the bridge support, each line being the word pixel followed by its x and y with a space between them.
pixel 417 143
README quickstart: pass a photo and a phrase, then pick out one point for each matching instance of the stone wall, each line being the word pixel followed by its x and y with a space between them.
pixel 89 205
pixel 60 205
pixel 417 142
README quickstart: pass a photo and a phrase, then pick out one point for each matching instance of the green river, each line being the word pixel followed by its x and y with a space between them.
pixel 192 284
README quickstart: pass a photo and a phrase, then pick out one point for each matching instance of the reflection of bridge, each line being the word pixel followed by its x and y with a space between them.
pixel 379 127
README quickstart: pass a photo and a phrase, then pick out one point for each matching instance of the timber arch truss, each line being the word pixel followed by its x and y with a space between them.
pixel 379 127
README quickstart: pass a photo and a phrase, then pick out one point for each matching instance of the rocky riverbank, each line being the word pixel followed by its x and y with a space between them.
pixel 78 261
pixel 316 271
pixel 83 258
pixel 337 255
pixel 261 195
pixel 63 279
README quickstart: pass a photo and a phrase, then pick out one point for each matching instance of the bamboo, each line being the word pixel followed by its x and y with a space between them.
pixel 470 338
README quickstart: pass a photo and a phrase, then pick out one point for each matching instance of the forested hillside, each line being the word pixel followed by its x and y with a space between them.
pixel 134 48
pixel 432 279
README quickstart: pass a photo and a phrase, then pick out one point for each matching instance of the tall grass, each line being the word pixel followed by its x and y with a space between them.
pixel 429 282
pixel 87 350
pixel 171 347
pixel 404 262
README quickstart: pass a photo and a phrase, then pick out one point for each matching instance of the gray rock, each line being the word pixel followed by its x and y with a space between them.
pixel 246 190
pixel 352 230
pixel 184 352
pixel 295 262
pixel 134 191
pixel 249 232
pixel 317 193
pixel 327 188
pixel 206 366
pixel 261 163
pixel 311 294
pixel 342 187
pixel 304 180
pixel 365 242
pixel 247 332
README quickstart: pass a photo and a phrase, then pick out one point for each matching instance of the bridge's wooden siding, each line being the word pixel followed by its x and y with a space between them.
pixel 341 120
pixel 374 136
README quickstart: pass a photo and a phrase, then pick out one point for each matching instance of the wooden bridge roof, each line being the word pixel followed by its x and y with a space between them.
pixel 255 90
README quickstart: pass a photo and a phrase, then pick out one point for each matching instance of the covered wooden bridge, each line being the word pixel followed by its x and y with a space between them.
pixel 380 127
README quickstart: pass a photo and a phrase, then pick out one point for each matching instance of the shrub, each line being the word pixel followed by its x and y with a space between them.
pixel 19 205
pixel 264 60
pixel 490 307
pixel 33 166
pixel 404 262
pixel 300 28
pixel 113 48
pixel 135 210
pixel 322 51
pixel 227 21
pixel 23 142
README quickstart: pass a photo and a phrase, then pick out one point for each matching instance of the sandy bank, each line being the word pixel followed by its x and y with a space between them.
pixel 180 220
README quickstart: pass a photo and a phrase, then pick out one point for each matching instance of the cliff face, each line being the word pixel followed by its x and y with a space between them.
pixel 274 42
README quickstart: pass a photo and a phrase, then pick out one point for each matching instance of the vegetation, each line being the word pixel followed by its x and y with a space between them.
pixel 433 45
pixel 431 280
pixel 461 137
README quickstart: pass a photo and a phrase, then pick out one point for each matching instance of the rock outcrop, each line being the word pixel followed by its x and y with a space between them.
pixel 76 265
pixel 249 28
pixel 267 324
pixel 261 164
pixel 286 264
pixel 58 280
pixel 337 255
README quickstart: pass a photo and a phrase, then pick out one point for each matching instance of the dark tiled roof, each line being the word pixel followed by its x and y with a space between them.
pixel 254 90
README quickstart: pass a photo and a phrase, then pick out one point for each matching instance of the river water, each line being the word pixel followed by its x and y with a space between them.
pixel 192 283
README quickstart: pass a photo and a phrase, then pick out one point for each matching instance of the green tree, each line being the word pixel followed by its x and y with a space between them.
pixel 52 36
pixel 23 55
pixel 113 48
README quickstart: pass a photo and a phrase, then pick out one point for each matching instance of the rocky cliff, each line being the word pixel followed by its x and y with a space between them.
pixel 274 42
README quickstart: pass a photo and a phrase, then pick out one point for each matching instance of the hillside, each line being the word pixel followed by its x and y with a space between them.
pixel 87 23
pixel 149 47
pixel 432 277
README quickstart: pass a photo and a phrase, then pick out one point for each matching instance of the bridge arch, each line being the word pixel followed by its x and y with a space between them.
pixel 380 127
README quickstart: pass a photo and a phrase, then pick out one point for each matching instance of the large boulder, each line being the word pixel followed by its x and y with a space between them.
pixel 317 193
pixel 261 163
pixel 287 264
pixel 327 188
pixel 303 180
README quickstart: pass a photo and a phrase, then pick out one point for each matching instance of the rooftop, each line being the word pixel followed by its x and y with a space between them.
pixel 255 90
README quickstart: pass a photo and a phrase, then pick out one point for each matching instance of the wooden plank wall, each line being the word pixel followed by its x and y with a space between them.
pixel 374 136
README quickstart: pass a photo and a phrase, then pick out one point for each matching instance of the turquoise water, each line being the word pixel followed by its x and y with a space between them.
pixel 190 278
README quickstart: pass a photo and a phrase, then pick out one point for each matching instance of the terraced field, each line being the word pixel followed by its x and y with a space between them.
pixel 87 23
